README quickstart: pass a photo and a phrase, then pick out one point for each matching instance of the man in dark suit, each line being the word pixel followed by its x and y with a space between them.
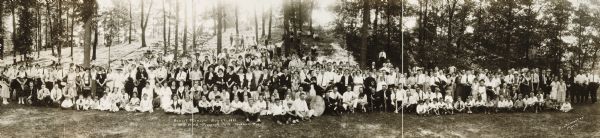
pixel 380 100
pixel 285 78
pixel 344 82
pixel 369 89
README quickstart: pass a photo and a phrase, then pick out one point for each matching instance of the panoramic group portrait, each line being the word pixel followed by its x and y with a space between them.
pixel 299 68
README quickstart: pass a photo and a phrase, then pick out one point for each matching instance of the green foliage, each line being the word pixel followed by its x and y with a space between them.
pixel 113 22
pixel 477 34
pixel 26 26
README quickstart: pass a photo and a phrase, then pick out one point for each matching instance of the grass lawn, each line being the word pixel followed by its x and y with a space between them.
pixel 25 121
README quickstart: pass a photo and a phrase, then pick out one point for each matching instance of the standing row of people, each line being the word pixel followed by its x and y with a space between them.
pixel 254 83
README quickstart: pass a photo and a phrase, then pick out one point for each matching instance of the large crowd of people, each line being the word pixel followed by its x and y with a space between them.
pixel 257 83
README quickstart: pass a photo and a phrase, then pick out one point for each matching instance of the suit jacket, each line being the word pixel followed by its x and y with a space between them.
pixel 350 80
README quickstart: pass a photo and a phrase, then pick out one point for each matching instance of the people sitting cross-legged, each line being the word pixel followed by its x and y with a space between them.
pixel 252 111
pixel 145 104
pixel 134 103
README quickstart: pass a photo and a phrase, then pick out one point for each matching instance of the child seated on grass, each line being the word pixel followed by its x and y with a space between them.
pixel 69 101
pixel 88 103
pixel 104 103
pixel 566 107
pixel 301 108
pixel 530 103
pixel 490 106
pixel 262 105
pixel 226 107
pixel 252 111
pixel 519 103
pixel 422 108
pixel 203 105
pixel 133 104
pixel 470 104
pixel 551 104
pixel 539 103
pixel 290 114
pixel 215 106
pixel 187 107
pixel 460 106
pixel 479 104
pixel 350 100
pixel 503 105
pixel 123 99
pixel 79 102
pixel 145 104
pixel 174 107
pixel 236 105
pixel 434 107
pixel 278 112
pixel 447 107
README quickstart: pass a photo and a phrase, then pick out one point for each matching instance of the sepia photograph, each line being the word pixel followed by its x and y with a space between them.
pixel 299 68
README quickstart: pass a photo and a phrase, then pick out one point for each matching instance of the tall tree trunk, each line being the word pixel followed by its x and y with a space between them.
pixel 71 42
pixel 364 33
pixel 49 26
pixel 286 26
pixel 255 26
pixel 389 24
pixel 176 52
pixel 14 32
pixel 376 26
pixel 2 45
pixel 87 26
pixel 184 46
pixel 131 21
pixel 39 29
pixel 95 44
pixel 297 24
pixel 169 36
pixel 144 21
pixel 219 26
pixel 270 23
pixel 165 42
pixel 216 19
pixel 223 22
pixel 61 35
pixel 237 31
pixel 262 13
pixel 310 19
pixel 193 27
pixel 299 18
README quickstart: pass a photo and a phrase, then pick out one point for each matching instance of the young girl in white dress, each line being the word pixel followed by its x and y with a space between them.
pixel 204 105
pixel 88 102
pixel 79 103
pixel 165 98
pixel 133 104
pixel 68 102
pixel 145 104
pixel 226 107
pixel 236 104
pixel 104 103
pixel 173 106
pixel 187 107
pixel 113 99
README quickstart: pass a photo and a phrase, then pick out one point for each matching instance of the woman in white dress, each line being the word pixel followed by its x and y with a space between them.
pixel 562 91
pixel 165 97
pixel 4 91
pixel 69 94
pixel 554 91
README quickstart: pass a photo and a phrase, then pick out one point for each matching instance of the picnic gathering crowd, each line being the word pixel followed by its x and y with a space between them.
pixel 255 82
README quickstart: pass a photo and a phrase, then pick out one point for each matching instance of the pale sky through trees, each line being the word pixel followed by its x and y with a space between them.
pixel 322 16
